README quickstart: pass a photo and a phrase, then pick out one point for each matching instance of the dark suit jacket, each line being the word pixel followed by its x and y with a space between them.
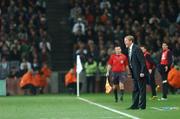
pixel 137 63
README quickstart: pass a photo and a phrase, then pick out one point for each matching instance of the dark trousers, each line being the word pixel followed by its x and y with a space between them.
pixel 90 84
pixel 139 93
pixel 164 80
pixel 72 87
pixel 102 84
pixel 31 88
pixel 152 83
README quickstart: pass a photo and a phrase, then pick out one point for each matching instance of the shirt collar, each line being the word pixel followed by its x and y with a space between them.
pixel 130 48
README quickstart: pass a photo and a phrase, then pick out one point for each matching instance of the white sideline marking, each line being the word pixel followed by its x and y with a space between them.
pixel 157 108
pixel 110 109
pixel 110 117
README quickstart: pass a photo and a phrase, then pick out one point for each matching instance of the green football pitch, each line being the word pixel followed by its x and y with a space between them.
pixel 88 106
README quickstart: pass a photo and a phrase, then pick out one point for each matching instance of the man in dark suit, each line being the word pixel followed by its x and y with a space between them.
pixel 138 70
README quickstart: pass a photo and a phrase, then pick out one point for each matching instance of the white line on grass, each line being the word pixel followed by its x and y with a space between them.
pixel 110 117
pixel 110 109
pixel 157 108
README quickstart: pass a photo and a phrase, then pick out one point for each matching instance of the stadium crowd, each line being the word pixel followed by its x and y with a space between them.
pixel 98 24
pixel 24 42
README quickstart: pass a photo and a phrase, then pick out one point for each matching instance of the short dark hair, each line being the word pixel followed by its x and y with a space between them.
pixel 164 42
pixel 143 45
pixel 116 45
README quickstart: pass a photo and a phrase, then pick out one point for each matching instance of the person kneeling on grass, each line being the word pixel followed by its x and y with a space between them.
pixel 174 77
pixel 29 82
pixel 45 76
pixel 70 81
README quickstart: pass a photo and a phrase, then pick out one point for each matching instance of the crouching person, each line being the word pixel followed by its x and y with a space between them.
pixel 70 81
pixel 174 77
pixel 29 82
pixel 45 76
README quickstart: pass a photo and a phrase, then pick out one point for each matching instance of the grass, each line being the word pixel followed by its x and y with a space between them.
pixel 69 107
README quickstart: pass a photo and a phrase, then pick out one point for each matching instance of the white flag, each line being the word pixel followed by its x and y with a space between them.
pixel 78 64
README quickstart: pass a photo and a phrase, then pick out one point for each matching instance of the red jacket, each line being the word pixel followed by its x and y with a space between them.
pixel 149 61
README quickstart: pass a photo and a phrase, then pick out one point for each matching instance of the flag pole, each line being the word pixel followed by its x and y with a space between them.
pixel 77 83
pixel 78 71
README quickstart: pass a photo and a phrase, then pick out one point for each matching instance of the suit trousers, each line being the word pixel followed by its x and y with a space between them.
pixel 139 93
pixel 152 83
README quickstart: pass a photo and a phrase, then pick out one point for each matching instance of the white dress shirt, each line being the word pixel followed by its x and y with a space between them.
pixel 130 51
pixel 129 54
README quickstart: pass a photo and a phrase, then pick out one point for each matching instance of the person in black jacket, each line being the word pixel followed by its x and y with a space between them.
pixel 138 70
pixel 150 64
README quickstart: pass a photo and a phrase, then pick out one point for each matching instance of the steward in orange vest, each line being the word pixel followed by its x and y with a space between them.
pixel 70 81
pixel 30 81
pixel 174 77
pixel 45 75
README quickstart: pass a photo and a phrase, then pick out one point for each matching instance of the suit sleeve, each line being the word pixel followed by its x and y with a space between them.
pixel 141 60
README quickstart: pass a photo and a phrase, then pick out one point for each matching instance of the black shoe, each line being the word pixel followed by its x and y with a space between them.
pixel 116 99
pixel 121 98
pixel 132 108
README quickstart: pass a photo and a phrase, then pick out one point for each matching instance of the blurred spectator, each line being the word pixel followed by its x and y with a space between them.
pixel 105 4
pixel 89 17
pixel 14 54
pixel 35 63
pixel 90 69
pixel 102 70
pixel 4 68
pixel 79 26
pixel 14 73
pixel 12 81
pixel 25 66
pixel 92 50
pixel 178 19
pixel 75 12
pixel 45 49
